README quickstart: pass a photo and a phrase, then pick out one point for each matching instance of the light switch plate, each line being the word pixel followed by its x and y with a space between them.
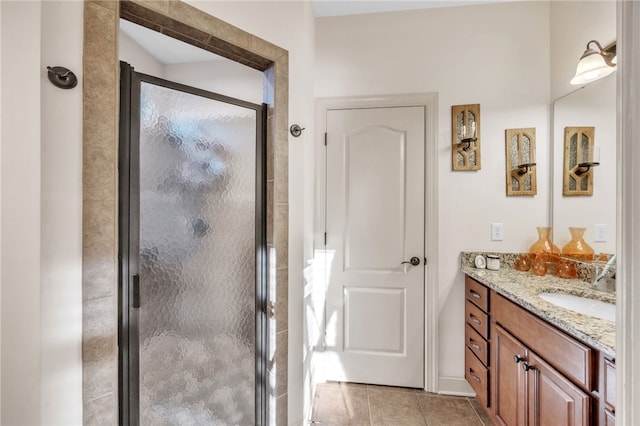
pixel 600 233
pixel 497 232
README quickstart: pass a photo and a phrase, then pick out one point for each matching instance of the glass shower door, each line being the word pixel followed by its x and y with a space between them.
pixel 195 255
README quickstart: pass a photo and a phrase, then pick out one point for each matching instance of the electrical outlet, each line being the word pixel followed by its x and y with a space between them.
pixel 497 232
pixel 601 234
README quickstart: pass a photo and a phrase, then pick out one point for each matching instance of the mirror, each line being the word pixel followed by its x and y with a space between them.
pixel 591 106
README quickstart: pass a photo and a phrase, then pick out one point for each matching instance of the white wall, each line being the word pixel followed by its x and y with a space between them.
pixel 21 212
pixel 496 55
pixel 41 215
pixel 220 76
pixel 61 218
pixel 135 55
pixel 1 240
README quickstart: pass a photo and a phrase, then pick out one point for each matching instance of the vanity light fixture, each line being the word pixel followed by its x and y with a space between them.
pixel 595 64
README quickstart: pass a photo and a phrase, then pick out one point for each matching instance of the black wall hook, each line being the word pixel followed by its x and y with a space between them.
pixel 62 77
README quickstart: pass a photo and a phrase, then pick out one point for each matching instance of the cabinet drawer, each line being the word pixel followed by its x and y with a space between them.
pixel 477 293
pixel 610 418
pixel 569 356
pixel 477 344
pixel 476 375
pixel 476 319
pixel 610 384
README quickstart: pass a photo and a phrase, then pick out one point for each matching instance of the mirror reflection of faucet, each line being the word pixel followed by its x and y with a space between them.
pixel 606 275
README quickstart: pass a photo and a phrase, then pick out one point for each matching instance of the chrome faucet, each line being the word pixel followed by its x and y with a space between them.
pixel 606 275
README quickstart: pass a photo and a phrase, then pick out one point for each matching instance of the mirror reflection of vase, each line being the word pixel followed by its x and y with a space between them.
pixel 566 269
pixel 577 248
pixel 540 264
pixel 544 243
pixel 523 263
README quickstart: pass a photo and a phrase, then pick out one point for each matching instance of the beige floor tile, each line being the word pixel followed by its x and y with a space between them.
pixel 341 404
pixel 449 411
pixel 347 404
pixel 480 412
pixel 393 407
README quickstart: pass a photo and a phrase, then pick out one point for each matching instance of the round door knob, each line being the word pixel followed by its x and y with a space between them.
pixel 415 261
pixel 518 358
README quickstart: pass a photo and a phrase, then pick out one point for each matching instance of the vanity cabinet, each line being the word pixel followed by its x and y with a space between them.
pixel 526 371
pixel 609 392
pixel 529 391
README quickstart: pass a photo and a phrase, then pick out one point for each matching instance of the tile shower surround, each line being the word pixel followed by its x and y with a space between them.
pixel 100 206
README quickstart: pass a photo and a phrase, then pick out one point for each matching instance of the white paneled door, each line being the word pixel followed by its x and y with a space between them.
pixel 375 192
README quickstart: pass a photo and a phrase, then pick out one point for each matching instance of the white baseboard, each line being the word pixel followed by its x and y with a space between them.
pixel 457 386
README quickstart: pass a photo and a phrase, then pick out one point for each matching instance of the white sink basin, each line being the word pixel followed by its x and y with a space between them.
pixel 583 305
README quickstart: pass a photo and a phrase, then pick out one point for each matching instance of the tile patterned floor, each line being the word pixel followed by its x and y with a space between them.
pixel 347 404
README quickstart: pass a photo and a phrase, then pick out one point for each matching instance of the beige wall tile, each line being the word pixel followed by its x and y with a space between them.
pixel 99 348
pixel 281 234
pixel 161 6
pixel 282 299
pixel 266 49
pixel 101 411
pixel 204 22
pixel 99 85
pixel 282 410
pixel 280 365
pixel 109 4
pixel 269 208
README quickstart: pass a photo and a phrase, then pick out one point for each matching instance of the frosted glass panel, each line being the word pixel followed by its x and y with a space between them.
pixel 197 260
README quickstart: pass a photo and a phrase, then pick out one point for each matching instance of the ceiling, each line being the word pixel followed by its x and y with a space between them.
pixel 325 8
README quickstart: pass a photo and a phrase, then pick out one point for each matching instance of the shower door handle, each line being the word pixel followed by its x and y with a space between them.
pixel 135 282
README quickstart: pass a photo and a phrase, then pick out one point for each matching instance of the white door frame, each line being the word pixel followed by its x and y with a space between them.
pixel 430 102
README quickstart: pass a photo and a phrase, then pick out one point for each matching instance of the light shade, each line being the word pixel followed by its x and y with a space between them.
pixel 594 65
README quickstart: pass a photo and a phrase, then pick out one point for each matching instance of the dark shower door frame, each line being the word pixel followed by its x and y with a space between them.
pixel 128 242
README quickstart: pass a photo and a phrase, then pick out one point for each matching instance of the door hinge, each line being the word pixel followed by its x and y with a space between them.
pixel 325 138
pixel 325 238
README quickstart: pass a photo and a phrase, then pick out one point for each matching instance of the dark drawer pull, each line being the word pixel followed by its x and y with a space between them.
pixel 474 294
pixel 474 345
pixel 476 378
pixel 474 319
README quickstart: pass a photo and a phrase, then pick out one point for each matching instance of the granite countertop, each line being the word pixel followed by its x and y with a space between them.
pixel 523 289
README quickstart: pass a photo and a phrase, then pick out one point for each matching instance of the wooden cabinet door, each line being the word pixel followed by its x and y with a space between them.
pixel 508 378
pixel 553 399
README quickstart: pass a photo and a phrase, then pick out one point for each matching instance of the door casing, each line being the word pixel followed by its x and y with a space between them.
pixel 430 103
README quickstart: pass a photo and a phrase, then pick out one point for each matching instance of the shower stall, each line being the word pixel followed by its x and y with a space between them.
pixel 192 257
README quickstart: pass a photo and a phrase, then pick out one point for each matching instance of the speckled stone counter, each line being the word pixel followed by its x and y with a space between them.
pixel 523 289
